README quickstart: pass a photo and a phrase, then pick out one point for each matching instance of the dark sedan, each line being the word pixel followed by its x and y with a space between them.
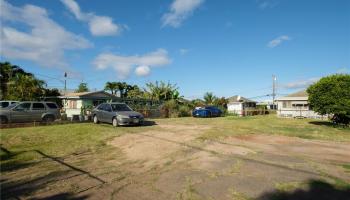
pixel 208 111
pixel 117 114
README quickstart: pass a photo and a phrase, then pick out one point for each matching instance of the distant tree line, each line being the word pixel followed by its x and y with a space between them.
pixel 174 104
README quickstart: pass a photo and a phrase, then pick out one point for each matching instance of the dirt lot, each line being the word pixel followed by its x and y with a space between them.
pixel 170 161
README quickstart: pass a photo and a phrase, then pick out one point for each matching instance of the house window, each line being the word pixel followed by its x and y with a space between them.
pixel 300 106
pixel 287 104
pixel 72 104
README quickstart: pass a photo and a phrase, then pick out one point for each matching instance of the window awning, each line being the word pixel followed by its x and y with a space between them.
pixel 299 102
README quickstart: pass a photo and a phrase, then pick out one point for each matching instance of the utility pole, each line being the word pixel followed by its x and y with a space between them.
pixel 65 83
pixel 273 90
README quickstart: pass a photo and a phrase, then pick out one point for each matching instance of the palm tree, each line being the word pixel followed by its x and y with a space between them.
pixel 162 91
pixel 25 87
pixel 127 89
pixel 120 87
pixel 209 98
pixel 222 102
pixel 7 73
pixel 111 86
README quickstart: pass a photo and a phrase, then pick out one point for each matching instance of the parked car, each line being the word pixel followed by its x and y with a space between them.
pixel 208 111
pixel 29 111
pixel 5 104
pixel 117 114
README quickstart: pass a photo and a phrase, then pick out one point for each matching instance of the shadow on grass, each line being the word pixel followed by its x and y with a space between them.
pixel 23 188
pixel 149 123
pixel 316 190
pixel 14 189
pixel 67 196
pixel 322 123
pixel 328 123
pixel 8 163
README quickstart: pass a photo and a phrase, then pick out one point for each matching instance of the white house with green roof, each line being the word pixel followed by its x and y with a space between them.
pixel 295 106
pixel 74 102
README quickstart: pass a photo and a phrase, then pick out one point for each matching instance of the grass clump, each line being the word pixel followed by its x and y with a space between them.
pixel 288 186
pixel 189 192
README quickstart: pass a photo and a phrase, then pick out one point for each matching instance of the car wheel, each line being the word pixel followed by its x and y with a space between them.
pixel 3 120
pixel 141 123
pixel 95 120
pixel 48 118
pixel 115 122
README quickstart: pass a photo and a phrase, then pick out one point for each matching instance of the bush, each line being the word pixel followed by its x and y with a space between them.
pixel 184 111
pixel 172 108
pixel 331 95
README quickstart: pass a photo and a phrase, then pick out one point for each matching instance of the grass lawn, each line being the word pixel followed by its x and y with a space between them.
pixel 63 140
pixel 42 150
pixel 269 125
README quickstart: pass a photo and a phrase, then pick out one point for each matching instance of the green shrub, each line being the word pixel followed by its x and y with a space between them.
pixel 331 95
pixel 184 111
pixel 172 108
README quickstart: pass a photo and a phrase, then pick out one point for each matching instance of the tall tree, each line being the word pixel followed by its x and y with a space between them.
pixel 331 95
pixel 111 86
pixel 221 102
pixel 25 87
pixel 209 98
pixel 127 89
pixel 120 88
pixel 7 73
pixel 161 91
pixel 82 87
pixel 136 92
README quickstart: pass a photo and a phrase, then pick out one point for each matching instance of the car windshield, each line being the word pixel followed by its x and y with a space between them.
pixel 120 107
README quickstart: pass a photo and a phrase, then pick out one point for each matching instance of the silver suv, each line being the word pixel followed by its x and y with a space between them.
pixel 28 111
pixel 117 114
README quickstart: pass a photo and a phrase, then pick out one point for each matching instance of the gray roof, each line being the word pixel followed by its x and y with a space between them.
pixel 302 93
pixel 238 98
pixel 96 94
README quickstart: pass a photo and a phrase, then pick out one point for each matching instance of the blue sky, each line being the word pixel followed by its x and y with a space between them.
pixel 227 47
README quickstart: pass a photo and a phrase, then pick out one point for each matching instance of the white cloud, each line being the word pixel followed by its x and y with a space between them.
pixel 45 42
pixel 124 64
pixel 98 25
pixel 179 11
pixel 142 70
pixel 183 51
pixel 277 41
pixel 264 4
pixel 300 84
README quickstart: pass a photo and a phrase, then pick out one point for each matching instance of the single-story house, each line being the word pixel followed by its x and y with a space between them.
pixel 295 105
pixel 74 102
pixel 239 105
pixel 268 104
